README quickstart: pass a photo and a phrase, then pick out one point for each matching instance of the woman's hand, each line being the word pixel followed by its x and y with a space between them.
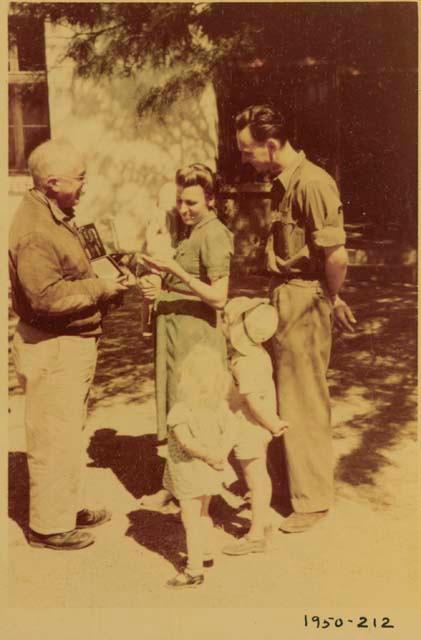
pixel 128 279
pixel 150 287
pixel 165 265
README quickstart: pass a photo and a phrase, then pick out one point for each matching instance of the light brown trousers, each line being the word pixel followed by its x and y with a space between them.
pixel 56 375
pixel 301 349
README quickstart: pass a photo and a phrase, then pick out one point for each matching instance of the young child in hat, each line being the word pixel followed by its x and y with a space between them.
pixel 201 433
pixel 248 322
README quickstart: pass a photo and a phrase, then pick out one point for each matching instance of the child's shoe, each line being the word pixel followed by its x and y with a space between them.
pixel 185 580
pixel 244 546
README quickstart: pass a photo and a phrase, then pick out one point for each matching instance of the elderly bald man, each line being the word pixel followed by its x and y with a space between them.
pixel 60 303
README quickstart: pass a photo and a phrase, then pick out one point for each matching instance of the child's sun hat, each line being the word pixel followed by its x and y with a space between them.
pixel 250 321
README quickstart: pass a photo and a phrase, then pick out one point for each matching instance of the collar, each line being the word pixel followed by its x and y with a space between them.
pixel 209 218
pixel 58 214
pixel 285 176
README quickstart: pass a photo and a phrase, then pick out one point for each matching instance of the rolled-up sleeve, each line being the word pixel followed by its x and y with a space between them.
pixel 216 251
pixel 323 208
pixel 41 278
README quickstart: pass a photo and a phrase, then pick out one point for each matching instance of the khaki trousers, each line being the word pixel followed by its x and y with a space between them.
pixel 56 374
pixel 301 349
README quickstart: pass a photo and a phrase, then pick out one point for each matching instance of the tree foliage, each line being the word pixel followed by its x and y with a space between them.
pixel 199 41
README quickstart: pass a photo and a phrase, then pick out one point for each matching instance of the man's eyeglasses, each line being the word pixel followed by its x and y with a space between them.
pixel 81 179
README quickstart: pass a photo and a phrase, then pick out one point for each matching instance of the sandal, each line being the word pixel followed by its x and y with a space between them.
pixel 185 580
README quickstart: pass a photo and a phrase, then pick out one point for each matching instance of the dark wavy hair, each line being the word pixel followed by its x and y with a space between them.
pixel 265 121
pixel 197 174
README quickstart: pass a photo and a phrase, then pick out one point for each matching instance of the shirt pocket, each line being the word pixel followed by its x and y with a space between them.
pixel 288 235
pixel 188 258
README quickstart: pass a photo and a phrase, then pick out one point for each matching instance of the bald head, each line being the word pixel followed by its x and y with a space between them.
pixel 54 158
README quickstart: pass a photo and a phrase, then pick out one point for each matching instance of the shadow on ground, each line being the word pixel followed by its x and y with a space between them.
pixel 126 359
pixel 164 534
pixel 131 458
pixel 19 489
pixel 378 365
pixel 159 533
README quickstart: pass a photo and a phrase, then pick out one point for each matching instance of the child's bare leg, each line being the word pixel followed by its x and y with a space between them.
pixel 259 483
pixel 207 529
pixel 191 517
pixel 226 494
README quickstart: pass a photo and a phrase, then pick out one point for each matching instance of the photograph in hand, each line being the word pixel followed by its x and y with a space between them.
pixel 106 267
pixel 103 265
pixel 91 241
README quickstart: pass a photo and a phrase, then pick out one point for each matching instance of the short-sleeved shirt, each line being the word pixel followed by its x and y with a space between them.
pixel 252 373
pixel 308 219
pixel 205 254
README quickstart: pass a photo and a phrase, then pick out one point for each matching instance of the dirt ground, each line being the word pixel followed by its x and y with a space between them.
pixel 363 554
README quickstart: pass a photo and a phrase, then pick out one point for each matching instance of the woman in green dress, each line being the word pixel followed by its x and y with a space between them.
pixel 194 288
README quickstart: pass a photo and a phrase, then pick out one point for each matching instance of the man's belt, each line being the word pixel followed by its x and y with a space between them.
pixel 185 292
pixel 281 278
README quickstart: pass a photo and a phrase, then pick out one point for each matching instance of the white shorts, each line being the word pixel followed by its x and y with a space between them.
pixel 252 441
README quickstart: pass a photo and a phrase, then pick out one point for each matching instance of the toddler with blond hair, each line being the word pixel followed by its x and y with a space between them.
pixel 201 433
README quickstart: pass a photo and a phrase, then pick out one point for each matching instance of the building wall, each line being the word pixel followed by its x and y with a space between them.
pixel 131 160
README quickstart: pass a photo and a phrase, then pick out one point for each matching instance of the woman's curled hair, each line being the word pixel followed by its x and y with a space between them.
pixel 197 174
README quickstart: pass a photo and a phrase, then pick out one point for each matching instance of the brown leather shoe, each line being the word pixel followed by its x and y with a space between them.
pixel 68 541
pixel 87 518
pixel 243 546
pixel 300 522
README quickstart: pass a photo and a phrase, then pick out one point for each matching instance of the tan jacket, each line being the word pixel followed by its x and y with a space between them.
pixel 53 285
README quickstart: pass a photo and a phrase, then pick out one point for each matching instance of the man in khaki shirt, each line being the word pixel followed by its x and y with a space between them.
pixel 306 257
